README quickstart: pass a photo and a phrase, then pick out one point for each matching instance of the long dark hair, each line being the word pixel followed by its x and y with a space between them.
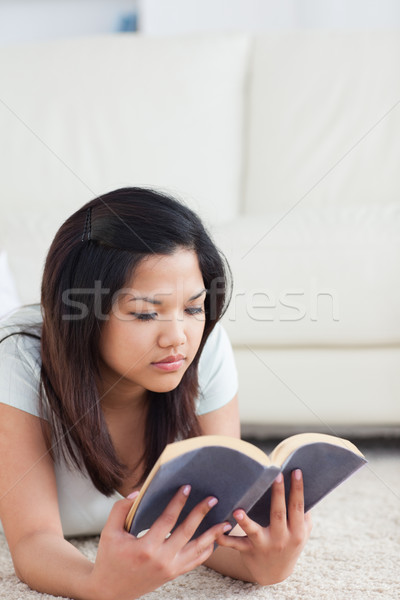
pixel 104 242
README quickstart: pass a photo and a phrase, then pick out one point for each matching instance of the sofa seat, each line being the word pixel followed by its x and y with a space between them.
pixel 350 390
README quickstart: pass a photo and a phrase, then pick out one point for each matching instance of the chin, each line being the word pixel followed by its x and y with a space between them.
pixel 164 386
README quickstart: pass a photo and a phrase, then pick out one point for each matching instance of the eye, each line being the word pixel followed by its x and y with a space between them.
pixel 144 316
pixel 194 310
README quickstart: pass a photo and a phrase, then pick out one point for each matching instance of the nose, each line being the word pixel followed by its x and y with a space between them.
pixel 172 334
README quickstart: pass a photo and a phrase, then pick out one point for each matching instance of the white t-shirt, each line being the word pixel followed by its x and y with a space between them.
pixel 83 509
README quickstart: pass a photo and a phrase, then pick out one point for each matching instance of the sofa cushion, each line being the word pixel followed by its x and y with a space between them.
pixel 324 117
pixel 82 117
pixel 314 387
pixel 27 235
pixel 319 277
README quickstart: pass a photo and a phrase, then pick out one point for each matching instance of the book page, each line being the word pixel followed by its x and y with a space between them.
pixel 279 455
pixel 178 448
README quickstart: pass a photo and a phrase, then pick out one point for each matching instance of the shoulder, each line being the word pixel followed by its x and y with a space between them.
pixel 20 360
pixel 22 319
pixel 217 372
pixel 20 336
pixel 217 342
pixel 217 354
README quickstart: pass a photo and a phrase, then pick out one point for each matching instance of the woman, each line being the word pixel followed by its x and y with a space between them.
pixel 124 356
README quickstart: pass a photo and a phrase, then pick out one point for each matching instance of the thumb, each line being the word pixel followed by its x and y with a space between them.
pixel 119 512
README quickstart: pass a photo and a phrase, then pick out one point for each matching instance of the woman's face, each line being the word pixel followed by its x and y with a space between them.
pixel 156 325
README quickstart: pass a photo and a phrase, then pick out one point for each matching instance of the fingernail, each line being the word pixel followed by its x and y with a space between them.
pixel 297 474
pixel 186 490
pixel 212 502
pixel 279 478
pixel 238 515
pixel 132 495
pixel 227 527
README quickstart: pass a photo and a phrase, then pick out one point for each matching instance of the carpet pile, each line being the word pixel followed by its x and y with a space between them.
pixel 353 552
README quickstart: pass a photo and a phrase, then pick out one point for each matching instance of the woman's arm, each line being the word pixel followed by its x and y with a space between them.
pixel 125 567
pixel 29 508
pixel 223 421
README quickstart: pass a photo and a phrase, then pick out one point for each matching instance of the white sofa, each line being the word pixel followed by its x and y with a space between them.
pixel 288 144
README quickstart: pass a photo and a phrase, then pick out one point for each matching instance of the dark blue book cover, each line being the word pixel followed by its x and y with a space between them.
pixel 240 476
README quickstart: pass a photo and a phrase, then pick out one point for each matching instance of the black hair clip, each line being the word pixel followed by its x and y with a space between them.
pixel 87 229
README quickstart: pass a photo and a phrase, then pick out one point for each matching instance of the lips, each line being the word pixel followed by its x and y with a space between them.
pixel 170 363
pixel 170 359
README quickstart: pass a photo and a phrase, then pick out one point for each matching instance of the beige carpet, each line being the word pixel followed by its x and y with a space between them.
pixel 353 552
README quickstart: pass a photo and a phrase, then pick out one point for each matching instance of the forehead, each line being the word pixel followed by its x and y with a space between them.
pixel 161 273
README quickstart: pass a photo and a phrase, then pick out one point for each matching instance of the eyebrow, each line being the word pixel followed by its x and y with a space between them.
pixel 158 302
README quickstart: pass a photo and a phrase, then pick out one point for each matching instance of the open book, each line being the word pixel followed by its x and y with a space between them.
pixel 240 475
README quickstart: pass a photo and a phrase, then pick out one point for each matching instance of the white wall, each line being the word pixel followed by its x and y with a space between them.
pixel 187 16
pixel 34 20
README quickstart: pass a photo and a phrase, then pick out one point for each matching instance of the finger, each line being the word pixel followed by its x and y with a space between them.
pixel 296 501
pixel 198 550
pixel 185 531
pixel 308 522
pixel 278 507
pixel 167 520
pixel 237 542
pixel 117 517
pixel 253 532
pixel 197 557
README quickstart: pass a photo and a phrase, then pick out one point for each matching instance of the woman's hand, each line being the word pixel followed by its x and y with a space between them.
pixel 127 567
pixel 270 553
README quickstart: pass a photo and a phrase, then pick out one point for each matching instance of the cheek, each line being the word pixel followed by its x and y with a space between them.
pixel 133 344
pixel 126 356
pixel 116 345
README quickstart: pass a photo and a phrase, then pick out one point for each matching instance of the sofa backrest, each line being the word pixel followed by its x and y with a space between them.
pixel 79 118
pixel 324 120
